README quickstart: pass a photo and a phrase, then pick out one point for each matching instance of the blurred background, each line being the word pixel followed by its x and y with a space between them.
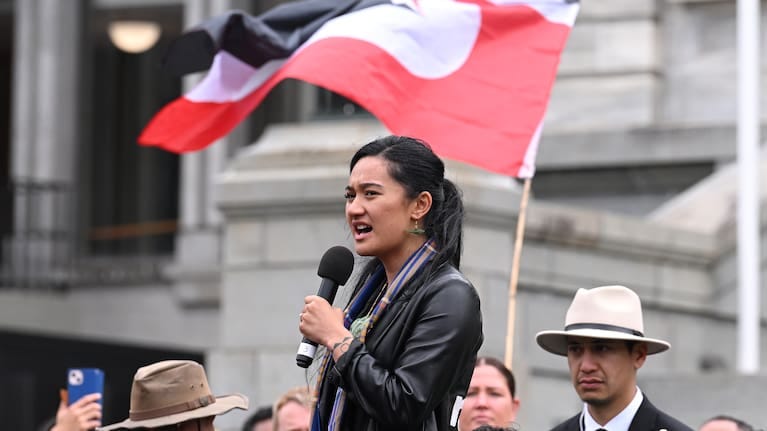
pixel 114 255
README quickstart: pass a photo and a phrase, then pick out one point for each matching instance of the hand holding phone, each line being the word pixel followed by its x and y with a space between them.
pixel 80 407
pixel 83 415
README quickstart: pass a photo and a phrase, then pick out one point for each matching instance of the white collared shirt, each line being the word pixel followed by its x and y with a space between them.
pixel 620 422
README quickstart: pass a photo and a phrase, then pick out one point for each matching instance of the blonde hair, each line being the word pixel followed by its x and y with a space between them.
pixel 301 395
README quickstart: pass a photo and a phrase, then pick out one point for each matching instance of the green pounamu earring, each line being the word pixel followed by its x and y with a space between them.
pixel 416 230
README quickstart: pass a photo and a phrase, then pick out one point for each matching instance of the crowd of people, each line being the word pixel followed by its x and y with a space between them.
pixel 490 405
pixel 402 354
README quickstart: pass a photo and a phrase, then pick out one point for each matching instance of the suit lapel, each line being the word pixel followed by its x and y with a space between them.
pixel 573 424
pixel 646 417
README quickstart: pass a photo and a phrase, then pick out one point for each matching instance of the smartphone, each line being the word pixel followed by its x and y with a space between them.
pixel 84 381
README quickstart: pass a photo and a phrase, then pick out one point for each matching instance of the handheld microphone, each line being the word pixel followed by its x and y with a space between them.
pixel 335 268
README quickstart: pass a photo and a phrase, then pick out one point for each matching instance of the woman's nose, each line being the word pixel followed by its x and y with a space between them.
pixel 354 207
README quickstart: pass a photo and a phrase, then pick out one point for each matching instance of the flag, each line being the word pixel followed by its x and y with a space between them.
pixel 470 77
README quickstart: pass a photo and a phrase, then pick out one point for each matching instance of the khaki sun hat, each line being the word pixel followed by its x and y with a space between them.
pixel 606 312
pixel 171 392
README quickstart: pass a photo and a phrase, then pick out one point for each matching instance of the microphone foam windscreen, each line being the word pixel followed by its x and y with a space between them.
pixel 336 264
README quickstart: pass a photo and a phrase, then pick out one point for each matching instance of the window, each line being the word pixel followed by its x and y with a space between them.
pixel 130 193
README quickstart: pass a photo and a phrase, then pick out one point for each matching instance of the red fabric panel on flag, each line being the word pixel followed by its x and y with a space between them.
pixel 484 114
pixel 184 126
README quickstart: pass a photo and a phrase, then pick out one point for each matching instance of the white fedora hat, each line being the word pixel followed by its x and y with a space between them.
pixel 171 392
pixel 606 312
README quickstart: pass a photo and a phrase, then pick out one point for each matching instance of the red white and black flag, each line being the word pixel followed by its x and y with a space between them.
pixel 471 77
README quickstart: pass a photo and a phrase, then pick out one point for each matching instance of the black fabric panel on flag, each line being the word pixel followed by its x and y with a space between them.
pixel 275 34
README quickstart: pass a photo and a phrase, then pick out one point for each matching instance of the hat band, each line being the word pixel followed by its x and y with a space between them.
pixel 603 326
pixel 173 409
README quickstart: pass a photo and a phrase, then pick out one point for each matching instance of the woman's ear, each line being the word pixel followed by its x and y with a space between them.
pixel 421 205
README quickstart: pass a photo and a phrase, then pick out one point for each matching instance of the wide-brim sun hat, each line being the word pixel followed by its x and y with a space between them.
pixel 605 312
pixel 172 392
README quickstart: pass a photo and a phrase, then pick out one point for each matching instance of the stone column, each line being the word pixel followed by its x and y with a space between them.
pixel 46 105
pixel 198 244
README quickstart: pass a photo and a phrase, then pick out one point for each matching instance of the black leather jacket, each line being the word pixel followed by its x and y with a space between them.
pixel 416 360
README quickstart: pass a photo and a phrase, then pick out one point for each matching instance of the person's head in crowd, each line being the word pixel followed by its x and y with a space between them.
pixel 175 395
pixel 605 345
pixel 492 428
pixel 491 398
pixel 725 423
pixel 293 410
pixel 260 420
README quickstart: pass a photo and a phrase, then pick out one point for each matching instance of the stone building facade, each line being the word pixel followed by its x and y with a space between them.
pixel 635 186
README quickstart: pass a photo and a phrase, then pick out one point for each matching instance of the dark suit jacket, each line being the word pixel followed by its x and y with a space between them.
pixel 647 418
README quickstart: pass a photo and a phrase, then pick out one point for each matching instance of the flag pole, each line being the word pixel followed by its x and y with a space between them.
pixel 748 311
pixel 514 278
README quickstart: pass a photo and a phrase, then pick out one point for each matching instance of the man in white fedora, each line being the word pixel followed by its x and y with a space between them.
pixel 175 395
pixel 605 345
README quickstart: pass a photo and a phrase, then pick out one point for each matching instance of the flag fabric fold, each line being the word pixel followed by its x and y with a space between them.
pixel 470 77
